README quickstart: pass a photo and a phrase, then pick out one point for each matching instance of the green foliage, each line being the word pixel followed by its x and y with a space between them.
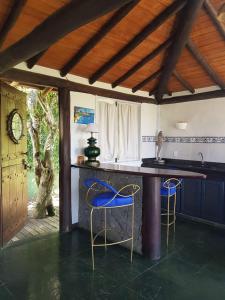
pixel 52 101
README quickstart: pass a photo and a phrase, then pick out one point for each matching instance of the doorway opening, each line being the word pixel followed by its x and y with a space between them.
pixel 37 150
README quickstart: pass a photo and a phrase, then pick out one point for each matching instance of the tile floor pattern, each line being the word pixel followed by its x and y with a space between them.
pixel 59 267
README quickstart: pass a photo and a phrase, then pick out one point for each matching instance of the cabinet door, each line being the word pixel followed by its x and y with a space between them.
pixel 191 194
pixel 213 201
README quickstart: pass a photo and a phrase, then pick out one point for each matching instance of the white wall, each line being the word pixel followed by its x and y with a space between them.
pixel 205 119
pixel 148 128
pixel 78 135
pixel 78 142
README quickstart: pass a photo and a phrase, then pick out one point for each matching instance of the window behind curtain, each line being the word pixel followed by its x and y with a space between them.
pixel 106 120
pixel 119 126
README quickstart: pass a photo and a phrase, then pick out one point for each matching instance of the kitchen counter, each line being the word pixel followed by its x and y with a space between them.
pixel 211 169
pixel 150 207
pixel 199 200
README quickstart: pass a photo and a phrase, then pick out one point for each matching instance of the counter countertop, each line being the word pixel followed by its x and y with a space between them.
pixel 142 171
pixel 211 169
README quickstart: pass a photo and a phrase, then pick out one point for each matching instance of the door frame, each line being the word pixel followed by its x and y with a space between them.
pixel 65 212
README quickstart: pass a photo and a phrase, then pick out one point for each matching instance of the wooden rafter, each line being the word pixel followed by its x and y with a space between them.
pixel 35 79
pixel 139 38
pixel 184 26
pixel 114 20
pixel 194 97
pixel 33 60
pixel 202 61
pixel 183 82
pixel 213 15
pixel 147 80
pixel 142 62
pixel 11 19
pixel 153 91
pixel 65 20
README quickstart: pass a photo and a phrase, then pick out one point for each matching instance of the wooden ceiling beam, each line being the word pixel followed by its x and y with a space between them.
pixel 194 97
pixel 31 62
pixel 11 19
pixel 93 41
pixel 35 79
pixel 142 62
pixel 202 61
pixel 183 82
pixel 65 20
pixel 184 26
pixel 147 80
pixel 139 38
pixel 153 91
pixel 213 15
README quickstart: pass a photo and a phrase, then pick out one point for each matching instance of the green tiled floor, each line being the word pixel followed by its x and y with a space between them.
pixel 59 267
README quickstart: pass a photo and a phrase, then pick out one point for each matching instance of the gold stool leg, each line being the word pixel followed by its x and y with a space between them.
pixel 174 212
pixel 92 241
pixel 168 220
pixel 132 234
pixel 105 229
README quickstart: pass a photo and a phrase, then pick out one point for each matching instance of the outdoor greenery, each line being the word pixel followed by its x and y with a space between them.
pixel 42 149
pixel 52 99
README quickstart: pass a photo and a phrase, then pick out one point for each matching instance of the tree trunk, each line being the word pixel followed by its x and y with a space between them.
pixel 44 171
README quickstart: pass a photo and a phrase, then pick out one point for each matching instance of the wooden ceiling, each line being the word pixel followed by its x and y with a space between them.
pixel 190 72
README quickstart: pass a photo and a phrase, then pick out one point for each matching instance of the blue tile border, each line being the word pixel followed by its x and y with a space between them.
pixel 187 139
pixel 148 139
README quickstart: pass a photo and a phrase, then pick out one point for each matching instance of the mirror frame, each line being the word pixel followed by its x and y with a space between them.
pixel 9 126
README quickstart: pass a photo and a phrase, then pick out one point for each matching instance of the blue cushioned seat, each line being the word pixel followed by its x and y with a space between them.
pixel 171 190
pixel 103 198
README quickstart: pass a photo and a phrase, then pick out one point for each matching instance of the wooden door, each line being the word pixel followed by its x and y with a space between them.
pixel 13 201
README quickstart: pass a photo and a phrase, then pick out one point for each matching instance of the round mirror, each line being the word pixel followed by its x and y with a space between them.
pixel 15 126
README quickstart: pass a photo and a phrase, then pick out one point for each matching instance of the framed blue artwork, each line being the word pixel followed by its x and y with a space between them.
pixel 83 115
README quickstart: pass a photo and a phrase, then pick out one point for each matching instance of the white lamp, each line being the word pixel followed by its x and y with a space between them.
pixel 92 128
pixel 181 125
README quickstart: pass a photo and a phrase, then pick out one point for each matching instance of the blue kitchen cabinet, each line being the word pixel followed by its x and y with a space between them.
pixel 212 207
pixel 191 197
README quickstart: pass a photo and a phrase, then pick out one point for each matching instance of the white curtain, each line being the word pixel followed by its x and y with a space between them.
pixel 128 131
pixel 119 130
pixel 107 120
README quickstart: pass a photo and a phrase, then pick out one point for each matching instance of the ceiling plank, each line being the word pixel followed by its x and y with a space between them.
pixel 11 19
pixel 31 62
pixel 183 82
pixel 139 38
pixel 194 97
pixel 202 61
pixel 184 26
pixel 116 18
pixel 65 20
pixel 142 62
pixel 147 80
pixel 213 15
pixel 27 77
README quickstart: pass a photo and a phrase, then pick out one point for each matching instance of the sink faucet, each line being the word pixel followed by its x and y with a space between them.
pixel 202 158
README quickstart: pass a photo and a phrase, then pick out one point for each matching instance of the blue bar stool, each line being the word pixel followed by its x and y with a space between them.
pixel 107 198
pixel 169 190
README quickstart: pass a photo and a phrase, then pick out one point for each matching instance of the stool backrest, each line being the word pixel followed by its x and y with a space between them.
pixel 172 183
pixel 91 182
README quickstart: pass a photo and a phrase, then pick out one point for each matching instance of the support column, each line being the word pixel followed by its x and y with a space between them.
pixel 151 218
pixel 65 217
